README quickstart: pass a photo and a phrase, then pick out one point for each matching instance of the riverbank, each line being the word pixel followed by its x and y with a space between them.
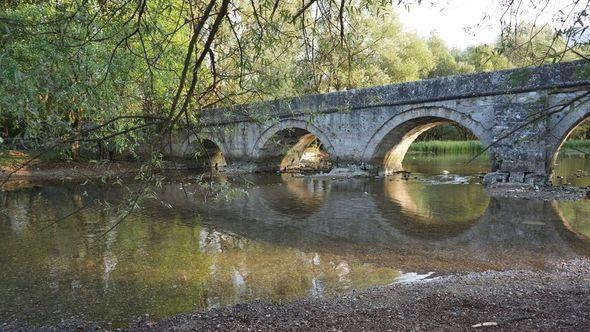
pixel 20 169
pixel 11 177
pixel 81 172
pixel 16 170
pixel 557 299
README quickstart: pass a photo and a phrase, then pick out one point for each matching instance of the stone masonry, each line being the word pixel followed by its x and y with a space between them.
pixel 523 115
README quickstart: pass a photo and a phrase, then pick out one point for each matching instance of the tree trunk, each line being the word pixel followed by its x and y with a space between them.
pixel 5 132
pixel 76 124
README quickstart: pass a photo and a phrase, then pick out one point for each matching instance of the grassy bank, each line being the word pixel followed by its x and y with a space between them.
pixel 473 147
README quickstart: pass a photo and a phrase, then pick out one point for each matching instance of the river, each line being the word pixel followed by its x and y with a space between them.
pixel 278 238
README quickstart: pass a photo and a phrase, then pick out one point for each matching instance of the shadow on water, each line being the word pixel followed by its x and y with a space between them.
pixel 288 238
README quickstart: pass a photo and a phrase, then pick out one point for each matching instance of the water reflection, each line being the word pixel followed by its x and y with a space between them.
pixel 576 217
pixel 287 238
pixel 432 211
pixel 294 195
pixel 455 164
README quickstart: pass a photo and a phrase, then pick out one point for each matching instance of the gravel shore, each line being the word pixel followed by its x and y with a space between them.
pixel 558 299
pixel 513 300
pixel 543 193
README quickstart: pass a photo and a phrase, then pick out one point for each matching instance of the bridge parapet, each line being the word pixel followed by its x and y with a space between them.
pixel 557 76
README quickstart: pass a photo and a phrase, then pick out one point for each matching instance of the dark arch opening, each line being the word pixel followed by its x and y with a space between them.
pixel 570 164
pixel 207 155
pixel 294 150
pixel 429 136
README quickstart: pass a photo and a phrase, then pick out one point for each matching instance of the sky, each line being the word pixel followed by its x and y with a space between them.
pixel 461 23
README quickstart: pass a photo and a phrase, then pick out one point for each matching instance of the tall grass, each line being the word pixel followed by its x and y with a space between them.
pixel 577 144
pixel 447 147
pixel 474 147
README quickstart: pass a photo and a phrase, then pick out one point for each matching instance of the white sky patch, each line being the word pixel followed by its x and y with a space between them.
pixel 463 23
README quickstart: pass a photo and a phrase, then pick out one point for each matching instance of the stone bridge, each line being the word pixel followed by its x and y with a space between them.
pixel 523 115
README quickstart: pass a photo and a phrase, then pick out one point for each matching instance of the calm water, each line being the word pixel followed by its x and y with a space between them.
pixel 288 237
pixel 574 169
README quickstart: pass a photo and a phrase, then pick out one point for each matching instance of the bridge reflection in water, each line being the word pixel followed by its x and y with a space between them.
pixel 289 237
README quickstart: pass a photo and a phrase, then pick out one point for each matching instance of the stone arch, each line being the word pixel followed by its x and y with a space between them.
pixel 391 141
pixel 209 136
pixel 216 153
pixel 305 133
pixel 286 124
pixel 559 132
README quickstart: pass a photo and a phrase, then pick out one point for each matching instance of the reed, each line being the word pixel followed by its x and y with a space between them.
pixel 577 145
pixel 447 147
pixel 474 147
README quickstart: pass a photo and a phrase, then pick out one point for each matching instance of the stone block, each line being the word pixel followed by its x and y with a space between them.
pixel 517 177
pixel 495 177
pixel 537 179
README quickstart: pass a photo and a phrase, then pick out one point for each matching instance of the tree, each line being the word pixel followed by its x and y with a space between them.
pixel 541 36
pixel 447 62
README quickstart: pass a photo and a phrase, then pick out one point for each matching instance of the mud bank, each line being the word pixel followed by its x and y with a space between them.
pixel 64 172
pixel 77 172
pixel 557 299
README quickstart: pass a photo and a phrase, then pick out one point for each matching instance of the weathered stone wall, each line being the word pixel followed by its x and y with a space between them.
pixel 368 126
